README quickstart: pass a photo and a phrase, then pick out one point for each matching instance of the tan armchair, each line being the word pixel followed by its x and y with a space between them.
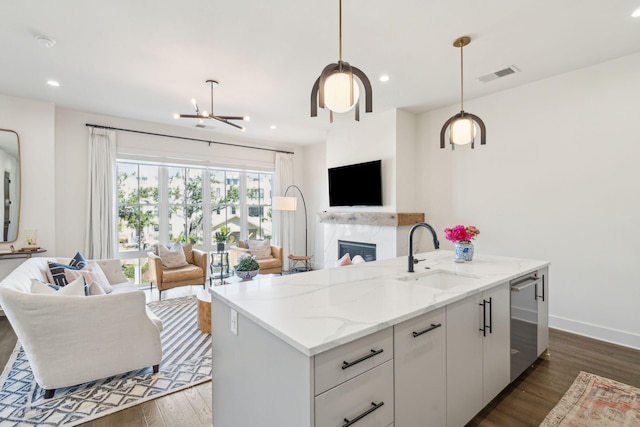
pixel 166 278
pixel 267 266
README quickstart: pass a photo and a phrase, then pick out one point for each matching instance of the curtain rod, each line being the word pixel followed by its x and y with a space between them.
pixel 190 139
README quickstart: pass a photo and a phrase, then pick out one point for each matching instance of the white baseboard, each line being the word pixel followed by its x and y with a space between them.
pixel 614 336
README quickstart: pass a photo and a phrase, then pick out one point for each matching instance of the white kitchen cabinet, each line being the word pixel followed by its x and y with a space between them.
pixel 543 312
pixel 365 400
pixel 478 352
pixel 420 370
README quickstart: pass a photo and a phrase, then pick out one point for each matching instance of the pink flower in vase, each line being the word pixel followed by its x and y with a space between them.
pixel 461 233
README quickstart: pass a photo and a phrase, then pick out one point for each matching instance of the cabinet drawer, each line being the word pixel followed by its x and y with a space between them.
pixel 359 355
pixel 356 397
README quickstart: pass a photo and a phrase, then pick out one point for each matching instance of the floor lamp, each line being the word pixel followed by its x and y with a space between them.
pixel 285 203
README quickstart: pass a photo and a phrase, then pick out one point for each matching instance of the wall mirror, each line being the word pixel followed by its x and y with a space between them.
pixel 10 189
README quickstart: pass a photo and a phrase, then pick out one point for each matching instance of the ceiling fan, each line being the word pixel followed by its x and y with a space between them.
pixel 209 115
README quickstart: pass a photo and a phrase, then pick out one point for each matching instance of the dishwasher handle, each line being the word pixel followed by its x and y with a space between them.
pixel 522 285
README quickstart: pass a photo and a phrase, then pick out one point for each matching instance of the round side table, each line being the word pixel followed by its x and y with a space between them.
pixel 204 311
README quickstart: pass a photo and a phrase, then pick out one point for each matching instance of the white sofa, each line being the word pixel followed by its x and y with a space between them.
pixel 71 340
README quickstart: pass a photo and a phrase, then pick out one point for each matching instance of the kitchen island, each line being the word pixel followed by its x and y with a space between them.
pixel 369 343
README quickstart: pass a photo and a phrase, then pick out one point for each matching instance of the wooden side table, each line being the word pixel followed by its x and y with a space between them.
pixel 204 311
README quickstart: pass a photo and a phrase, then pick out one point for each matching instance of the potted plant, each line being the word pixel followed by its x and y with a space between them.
pixel 462 235
pixel 247 267
pixel 221 237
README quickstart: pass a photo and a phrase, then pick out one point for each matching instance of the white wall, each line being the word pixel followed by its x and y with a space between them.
pixel 316 188
pixel 557 180
pixel 34 123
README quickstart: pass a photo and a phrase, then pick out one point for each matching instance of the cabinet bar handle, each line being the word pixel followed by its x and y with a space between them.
pixel 364 414
pixel 484 318
pixel 417 334
pixel 541 296
pixel 490 315
pixel 346 365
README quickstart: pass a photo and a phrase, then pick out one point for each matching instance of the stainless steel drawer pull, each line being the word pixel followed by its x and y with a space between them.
pixel 417 334
pixel 375 406
pixel 346 365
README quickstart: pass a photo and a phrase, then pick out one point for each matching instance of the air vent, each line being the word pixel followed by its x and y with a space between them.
pixel 200 125
pixel 498 74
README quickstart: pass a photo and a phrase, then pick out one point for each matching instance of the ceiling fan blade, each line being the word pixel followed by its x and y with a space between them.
pixel 192 116
pixel 223 120
pixel 231 117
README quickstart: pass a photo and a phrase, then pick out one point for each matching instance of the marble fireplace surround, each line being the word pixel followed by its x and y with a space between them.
pixel 387 230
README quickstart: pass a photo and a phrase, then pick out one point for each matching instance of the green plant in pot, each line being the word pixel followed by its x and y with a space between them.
pixel 247 267
pixel 221 237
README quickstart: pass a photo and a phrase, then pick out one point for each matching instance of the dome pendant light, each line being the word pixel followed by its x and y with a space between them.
pixel 336 88
pixel 463 127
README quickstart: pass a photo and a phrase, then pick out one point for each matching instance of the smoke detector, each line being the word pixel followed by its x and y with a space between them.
pixel 499 74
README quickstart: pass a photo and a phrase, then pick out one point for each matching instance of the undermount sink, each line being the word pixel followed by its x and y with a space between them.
pixel 443 280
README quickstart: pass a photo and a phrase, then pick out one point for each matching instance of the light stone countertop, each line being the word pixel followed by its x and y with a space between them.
pixel 322 309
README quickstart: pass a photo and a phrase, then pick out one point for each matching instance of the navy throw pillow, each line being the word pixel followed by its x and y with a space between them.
pixel 57 269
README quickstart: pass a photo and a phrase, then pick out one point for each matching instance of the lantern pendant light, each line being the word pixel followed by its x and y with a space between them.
pixel 336 88
pixel 463 127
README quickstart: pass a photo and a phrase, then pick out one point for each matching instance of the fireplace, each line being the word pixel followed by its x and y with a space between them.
pixel 365 250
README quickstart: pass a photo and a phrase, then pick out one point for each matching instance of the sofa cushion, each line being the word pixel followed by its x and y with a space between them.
pixel 345 260
pixel 92 274
pixel 181 273
pixel 75 287
pixel 172 257
pixel 261 249
pixel 267 264
pixel 96 289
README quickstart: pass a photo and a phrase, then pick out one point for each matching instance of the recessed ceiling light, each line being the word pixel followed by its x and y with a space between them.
pixel 384 78
pixel 53 83
pixel 636 13
pixel 45 41
pixel 273 127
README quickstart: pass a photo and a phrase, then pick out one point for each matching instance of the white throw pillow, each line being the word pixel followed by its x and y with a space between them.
pixel 357 259
pixel 75 287
pixel 172 257
pixel 261 249
pixel 92 274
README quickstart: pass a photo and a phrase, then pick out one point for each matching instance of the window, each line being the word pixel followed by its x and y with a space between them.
pixel 162 204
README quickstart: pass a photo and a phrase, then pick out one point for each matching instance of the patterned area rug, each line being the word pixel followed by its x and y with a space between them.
pixel 594 401
pixel 186 362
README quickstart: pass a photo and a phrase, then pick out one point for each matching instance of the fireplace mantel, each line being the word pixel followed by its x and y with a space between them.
pixel 390 219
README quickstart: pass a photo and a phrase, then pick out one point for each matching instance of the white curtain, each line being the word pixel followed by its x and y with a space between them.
pixel 101 237
pixel 282 220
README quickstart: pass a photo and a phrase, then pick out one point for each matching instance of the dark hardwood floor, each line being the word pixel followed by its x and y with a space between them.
pixel 523 403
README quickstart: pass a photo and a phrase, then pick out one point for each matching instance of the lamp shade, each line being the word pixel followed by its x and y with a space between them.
pixel 337 92
pixel 462 131
pixel 284 203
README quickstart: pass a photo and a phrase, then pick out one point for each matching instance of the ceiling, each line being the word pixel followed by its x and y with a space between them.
pixel 146 60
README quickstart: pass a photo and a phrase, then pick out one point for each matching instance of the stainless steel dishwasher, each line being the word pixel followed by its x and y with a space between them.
pixel 524 323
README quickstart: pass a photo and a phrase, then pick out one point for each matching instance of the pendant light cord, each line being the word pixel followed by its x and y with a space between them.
pixel 340 24
pixel 461 80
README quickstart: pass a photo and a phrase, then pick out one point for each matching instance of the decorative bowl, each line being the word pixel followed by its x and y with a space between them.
pixel 246 275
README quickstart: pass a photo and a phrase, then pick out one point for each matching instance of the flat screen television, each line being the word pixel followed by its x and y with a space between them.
pixel 356 185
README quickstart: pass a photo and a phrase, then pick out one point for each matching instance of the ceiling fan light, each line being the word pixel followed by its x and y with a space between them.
pixel 246 118
pixel 204 113
pixel 337 92
pixel 176 115
pixel 462 131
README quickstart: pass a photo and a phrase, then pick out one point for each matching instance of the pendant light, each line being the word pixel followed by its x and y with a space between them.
pixel 336 88
pixel 463 127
